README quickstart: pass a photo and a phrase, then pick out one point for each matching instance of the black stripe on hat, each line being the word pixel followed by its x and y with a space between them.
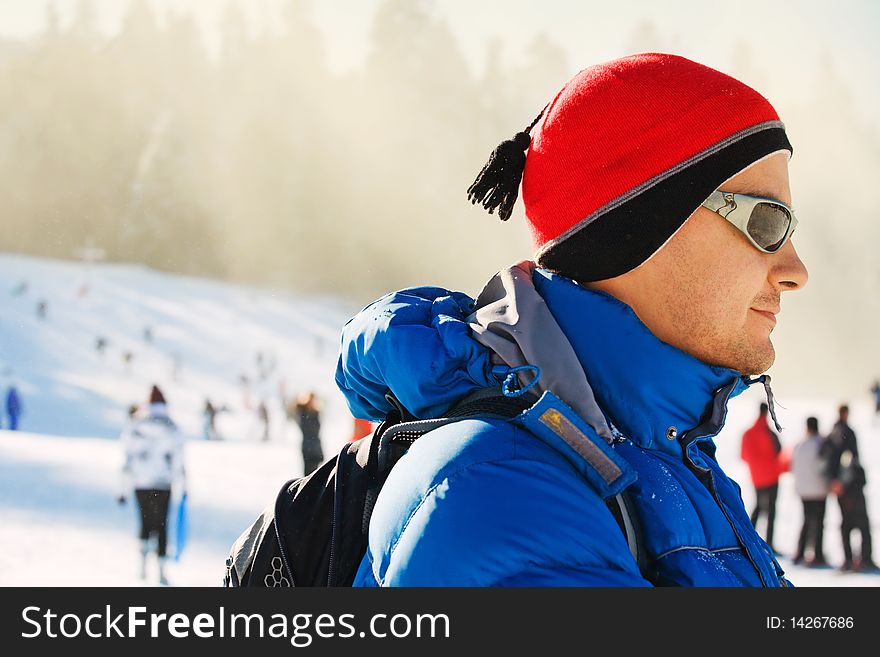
pixel 627 235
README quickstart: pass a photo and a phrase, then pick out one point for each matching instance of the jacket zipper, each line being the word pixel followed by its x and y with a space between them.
pixel 709 476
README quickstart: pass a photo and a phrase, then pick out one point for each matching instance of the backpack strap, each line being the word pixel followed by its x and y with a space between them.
pixel 393 438
pixel 621 507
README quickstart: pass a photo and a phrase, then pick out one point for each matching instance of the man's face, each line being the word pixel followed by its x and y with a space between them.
pixel 709 291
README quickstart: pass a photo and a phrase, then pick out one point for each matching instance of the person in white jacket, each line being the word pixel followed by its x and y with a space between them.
pixel 154 464
pixel 809 466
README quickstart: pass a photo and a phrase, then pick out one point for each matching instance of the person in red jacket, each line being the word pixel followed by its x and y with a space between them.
pixel 360 429
pixel 761 450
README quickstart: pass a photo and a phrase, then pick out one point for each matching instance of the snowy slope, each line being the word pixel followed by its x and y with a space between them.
pixel 214 331
pixel 62 526
pixel 59 522
pixel 59 479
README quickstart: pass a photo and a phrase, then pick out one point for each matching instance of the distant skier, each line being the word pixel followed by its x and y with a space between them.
pixel 100 345
pixel 14 407
pixel 360 428
pixel 154 465
pixel 809 465
pixel 42 309
pixel 876 390
pixel 307 416
pixel 848 481
pixel 266 363
pixel 209 415
pixel 271 364
pixel 261 366
pixel 854 511
pixel 761 449
pixel 127 359
pixel 263 415
pixel 20 289
pixel 148 334
pixel 245 384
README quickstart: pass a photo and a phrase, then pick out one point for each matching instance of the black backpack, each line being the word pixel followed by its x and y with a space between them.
pixel 316 532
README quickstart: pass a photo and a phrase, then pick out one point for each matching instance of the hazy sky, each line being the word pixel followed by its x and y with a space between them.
pixel 782 47
pixel 785 36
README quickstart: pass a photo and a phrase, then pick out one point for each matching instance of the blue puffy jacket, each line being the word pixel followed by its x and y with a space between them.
pixel 488 502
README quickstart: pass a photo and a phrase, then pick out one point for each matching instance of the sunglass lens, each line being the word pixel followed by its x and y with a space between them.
pixel 768 225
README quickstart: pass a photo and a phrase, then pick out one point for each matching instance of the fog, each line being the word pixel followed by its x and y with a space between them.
pixel 258 160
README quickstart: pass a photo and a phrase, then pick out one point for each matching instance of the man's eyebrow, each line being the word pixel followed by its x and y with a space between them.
pixel 759 193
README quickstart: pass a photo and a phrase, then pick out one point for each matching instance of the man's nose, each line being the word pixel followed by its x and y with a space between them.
pixel 789 271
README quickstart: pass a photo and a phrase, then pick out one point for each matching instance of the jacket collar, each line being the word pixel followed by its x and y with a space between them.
pixel 651 391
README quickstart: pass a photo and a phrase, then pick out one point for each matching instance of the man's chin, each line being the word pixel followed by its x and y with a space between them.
pixel 748 359
pixel 758 360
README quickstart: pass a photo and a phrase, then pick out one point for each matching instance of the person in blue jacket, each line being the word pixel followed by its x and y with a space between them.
pixel 657 194
pixel 14 407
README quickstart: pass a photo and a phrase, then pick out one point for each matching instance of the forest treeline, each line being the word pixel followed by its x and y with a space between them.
pixel 257 163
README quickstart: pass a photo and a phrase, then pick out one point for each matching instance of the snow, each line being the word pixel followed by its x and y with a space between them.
pixel 59 477
pixel 63 527
pixel 792 415
pixel 214 330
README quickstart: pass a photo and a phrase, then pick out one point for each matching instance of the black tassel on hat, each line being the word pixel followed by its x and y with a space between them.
pixel 497 185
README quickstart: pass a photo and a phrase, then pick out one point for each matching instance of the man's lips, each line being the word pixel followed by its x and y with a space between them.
pixel 766 313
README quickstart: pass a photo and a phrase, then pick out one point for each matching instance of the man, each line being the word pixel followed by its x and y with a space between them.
pixel 809 465
pixel 658 280
pixel 760 450
pixel 847 482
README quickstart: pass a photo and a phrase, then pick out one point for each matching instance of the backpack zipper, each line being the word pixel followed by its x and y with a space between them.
pixel 337 511
pixel 330 566
pixel 278 535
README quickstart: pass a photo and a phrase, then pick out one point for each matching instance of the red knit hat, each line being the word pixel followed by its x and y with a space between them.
pixel 626 152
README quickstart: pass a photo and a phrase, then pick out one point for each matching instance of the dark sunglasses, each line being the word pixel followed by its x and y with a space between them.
pixel 767 223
